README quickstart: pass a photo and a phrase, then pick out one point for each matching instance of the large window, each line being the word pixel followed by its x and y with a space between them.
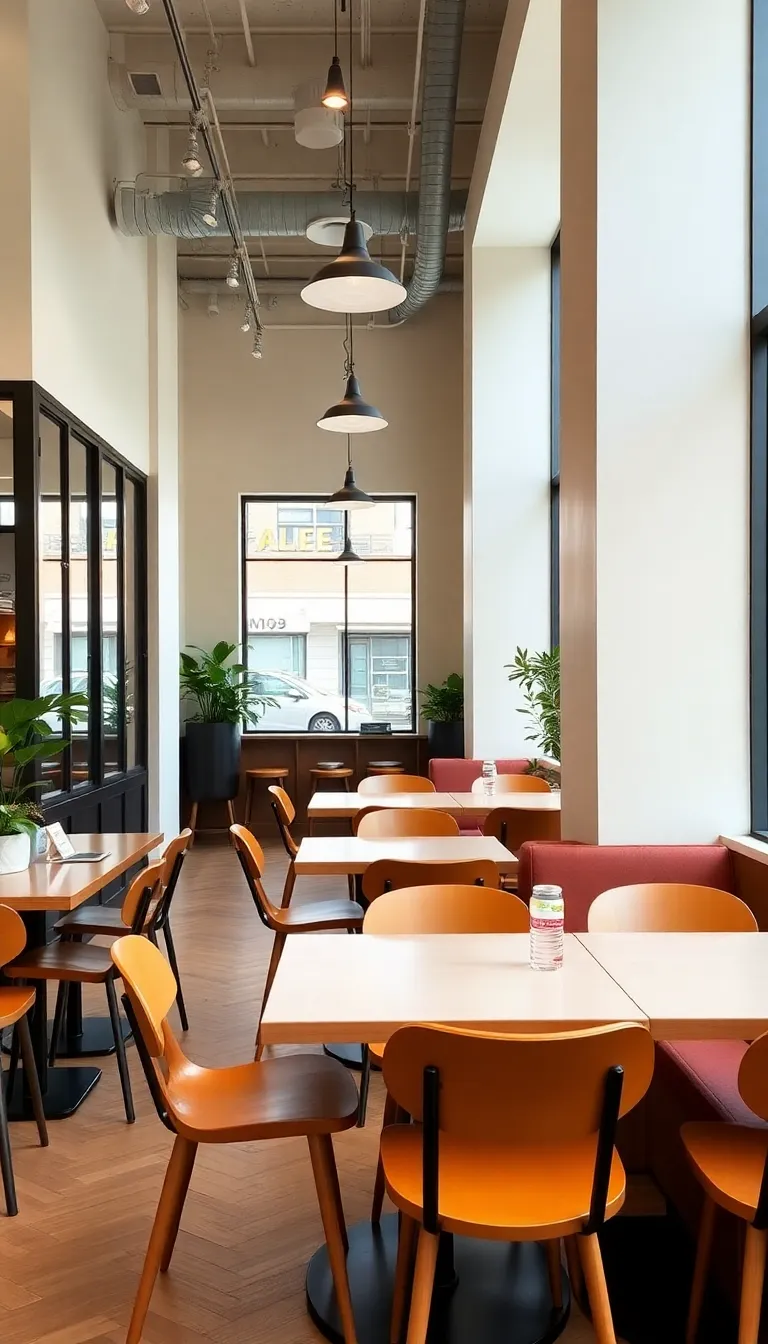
pixel 759 574
pixel 332 644
pixel 554 512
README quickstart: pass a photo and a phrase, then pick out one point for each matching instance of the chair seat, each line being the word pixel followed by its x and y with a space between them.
pixel 338 914
pixel 63 961
pixel 497 1191
pixel 729 1162
pixel 14 1003
pixel 277 1098
pixel 267 772
pixel 92 920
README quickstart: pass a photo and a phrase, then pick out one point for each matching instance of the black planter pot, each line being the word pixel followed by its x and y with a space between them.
pixel 212 761
pixel 445 739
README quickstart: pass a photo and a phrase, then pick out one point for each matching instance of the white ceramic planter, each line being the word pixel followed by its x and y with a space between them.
pixel 15 853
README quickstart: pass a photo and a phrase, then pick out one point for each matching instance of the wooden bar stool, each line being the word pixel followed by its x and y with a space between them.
pixel 330 770
pixel 273 774
pixel 385 768
pixel 15 1003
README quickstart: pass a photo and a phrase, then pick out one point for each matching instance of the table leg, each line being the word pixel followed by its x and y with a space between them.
pixel 486 1292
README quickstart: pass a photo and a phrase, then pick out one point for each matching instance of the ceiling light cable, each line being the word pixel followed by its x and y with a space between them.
pixel 335 96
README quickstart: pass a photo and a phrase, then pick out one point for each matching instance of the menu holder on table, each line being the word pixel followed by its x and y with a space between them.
pixel 65 851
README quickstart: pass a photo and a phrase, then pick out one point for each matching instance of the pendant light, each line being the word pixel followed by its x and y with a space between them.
pixel 350 496
pixel 351 415
pixel 353 283
pixel 335 96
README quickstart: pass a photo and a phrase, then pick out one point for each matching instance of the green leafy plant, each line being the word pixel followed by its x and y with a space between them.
pixel 538 675
pixel 445 703
pixel 110 706
pixel 221 692
pixel 26 735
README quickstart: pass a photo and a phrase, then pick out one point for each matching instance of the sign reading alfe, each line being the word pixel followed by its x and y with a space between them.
pixel 323 540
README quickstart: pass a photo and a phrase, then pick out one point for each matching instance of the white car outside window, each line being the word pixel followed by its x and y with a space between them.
pixel 302 708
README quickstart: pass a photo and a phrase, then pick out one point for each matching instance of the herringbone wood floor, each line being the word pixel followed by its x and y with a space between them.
pixel 70 1262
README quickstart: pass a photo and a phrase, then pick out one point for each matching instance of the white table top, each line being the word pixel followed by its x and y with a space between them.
pixel 331 855
pixel 363 989
pixel 479 804
pixel 690 985
pixel 332 803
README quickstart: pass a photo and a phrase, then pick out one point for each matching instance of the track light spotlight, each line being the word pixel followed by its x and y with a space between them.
pixel 192 161
pixel 213 304
pixel 257 350
pixel 210 214
pixel 138 6
pixel 245 325
pixel 233 274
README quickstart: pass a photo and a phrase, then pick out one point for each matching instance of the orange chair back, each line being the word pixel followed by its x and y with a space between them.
pixel 251 857
pixel 514 784
pixel 151 988
pixel 525 1089
pixel 447 909
pixel 395 784
pixel 13 936
pixel 172 852
pixel 669 907
pixel 140 894
pixel 384 823
pixel 753 1077
pixel 392 874
pixel 514 825
pixel 285 814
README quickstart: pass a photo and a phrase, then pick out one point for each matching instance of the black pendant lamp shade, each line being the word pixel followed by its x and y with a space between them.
pixel 348 556
pixel 352 415
pixel 350 496
pixel 353 283
pixel 335 96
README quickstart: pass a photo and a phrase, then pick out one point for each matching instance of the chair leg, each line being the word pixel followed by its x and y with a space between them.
pixel 423 1283
pixel 171 950
pixel 161 1230
pixel 365 1083
pixel 59 1015
pixel 192 824
pixel 250 789
pixel 290 883
pixel 13 1063
pixel 274 962
pixel 575 1272
pixel 122 1062
pixel 555 1272
pixel 752 1277
pixel 351 887
pixel 389 1118
pixel 323 1166
pixel 186 1165
pixel 592 1262
pixel 703 1251
pixel 33 1079
pixel 406 1245
pixel 6 1162
pixel 231 811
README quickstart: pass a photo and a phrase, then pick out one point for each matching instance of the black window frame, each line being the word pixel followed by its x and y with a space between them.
pixel 759 425
pixel 321 502
pixel 554 432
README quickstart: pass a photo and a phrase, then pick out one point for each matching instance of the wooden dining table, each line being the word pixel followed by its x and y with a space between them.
pixel 38 891
pixel 341 855
pixel 331 805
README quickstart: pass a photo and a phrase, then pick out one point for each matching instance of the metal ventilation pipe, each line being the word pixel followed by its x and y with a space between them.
pixel 442 58
pixel 269 214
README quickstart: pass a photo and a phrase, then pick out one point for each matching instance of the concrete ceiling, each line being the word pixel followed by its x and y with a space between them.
pixel 286 14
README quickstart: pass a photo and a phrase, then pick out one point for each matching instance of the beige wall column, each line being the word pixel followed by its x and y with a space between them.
pixel 654 419
pixel 15 193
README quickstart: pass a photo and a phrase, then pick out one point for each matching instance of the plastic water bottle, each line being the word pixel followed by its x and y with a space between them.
pixel 489 778
pixel 547 912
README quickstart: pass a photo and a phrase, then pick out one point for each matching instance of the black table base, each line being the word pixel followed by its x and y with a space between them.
pixel 95 1039
pixel 499 1293
pixel 66 1089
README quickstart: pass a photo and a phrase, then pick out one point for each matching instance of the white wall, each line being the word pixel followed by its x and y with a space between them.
pixel 15 228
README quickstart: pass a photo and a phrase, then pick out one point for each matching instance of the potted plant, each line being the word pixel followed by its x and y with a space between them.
pixel 25 736
pixel 224 699
pixel 443 708
pixel 538 675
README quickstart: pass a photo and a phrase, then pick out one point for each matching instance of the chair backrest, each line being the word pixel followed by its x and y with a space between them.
pixel 251 857
pixel 753 1077
pixel 150 991
pixel 395 784
pixel 514 825
pixel 13 936
pixel 379 822
pixel 285 814
pixel 537 1089
pixel 138 897
pixel 669 907
pixel 173 858
pixel 514 784
pixel 447 909
pixel 392 874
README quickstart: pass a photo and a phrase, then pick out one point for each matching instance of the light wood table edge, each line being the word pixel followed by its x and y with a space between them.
pixel 39 904
pixel 315 1033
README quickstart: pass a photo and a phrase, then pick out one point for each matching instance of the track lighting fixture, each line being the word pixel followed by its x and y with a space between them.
pixel 192 161
pixel 257 351
pixel 138 6
pixel 213 304
pixel 245 325
pixel 210 214
pixel 351 415
pixel 233 274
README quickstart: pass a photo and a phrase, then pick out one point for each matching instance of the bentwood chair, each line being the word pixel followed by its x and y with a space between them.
pixel 377 784
pixel 86 963
pixel 455 908
pixel 106 921
pixel 391 874
pixel 542 1110
pixel 310 917
pixel 669 907
pixel 285 815
pixel 297 1095
pixel 382 823
pixel 513 784
pixel 730 1162
pixel 15 1003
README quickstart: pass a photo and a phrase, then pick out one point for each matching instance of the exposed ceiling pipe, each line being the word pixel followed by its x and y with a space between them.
pixel 412 125
pixel 280 285
pixel 247 34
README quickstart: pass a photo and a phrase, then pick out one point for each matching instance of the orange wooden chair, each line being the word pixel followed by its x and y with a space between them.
pixel 89 921
pixel 669 907
pixel 378 784
pixel 296 1095
pixel 514 784
pixel 384 823
pixel 445 908
pixel 513 826
pixel 730 1162
pixel 513 1140
pixel 314 917
pixel 285 815
pixel 15 1003
pixel 391 874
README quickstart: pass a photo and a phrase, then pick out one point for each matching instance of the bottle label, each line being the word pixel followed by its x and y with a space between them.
pixel 546 914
